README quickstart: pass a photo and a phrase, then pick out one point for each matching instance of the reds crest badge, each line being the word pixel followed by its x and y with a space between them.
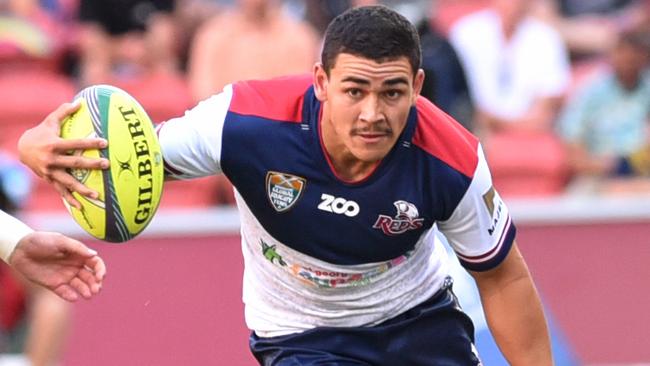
pixel 284 190
pixel 407 218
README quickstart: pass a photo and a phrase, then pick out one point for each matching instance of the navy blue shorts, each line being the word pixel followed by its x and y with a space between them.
pixel 435 332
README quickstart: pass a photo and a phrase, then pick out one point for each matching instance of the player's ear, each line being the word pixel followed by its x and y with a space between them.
pixel 320 82
pixel 418 82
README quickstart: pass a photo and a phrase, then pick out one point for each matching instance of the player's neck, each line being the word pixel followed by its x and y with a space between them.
pixel 350 169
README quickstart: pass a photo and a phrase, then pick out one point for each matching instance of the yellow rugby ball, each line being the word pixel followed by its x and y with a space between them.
pixel 130 190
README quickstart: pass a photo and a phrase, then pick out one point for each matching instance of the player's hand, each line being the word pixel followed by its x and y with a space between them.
pixel 47 154
pixel 59 263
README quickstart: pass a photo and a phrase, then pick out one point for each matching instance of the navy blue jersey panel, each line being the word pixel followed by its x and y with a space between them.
pixel 281 171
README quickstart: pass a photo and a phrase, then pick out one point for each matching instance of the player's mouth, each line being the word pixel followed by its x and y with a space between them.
pixel 373 135
pixel 372 138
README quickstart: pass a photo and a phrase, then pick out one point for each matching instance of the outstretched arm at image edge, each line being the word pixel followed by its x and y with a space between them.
pixel 59 263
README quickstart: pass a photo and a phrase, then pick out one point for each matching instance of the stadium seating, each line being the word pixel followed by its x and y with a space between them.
pixel 163 96
pixel 195 193
pixel 27 97
pixel 527 164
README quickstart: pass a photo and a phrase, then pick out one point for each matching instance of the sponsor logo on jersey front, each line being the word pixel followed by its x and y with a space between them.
pixel 338 205
pixel 271 254
pixel 327 278
pixel 407 218
pixel 284 190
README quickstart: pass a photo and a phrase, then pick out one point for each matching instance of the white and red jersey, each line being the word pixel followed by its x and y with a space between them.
pixel 320 251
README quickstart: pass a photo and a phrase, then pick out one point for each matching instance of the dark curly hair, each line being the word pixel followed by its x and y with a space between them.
pixel 373 32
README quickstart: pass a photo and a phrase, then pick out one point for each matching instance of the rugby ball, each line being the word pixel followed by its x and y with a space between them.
pixel 130 190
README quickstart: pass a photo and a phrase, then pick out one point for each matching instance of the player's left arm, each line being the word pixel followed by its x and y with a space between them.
pixel 481 232
pixel 514 311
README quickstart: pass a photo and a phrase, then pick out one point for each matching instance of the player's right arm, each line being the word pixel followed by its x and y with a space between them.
pixel 45 152
pixel 191 144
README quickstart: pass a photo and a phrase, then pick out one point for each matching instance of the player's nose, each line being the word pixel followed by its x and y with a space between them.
pixel 371 110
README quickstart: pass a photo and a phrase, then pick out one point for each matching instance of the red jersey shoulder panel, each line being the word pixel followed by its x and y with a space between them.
pixel 278 99
pixel 441 136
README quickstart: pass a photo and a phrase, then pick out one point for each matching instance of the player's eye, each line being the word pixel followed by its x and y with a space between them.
pixel 354 92
pixel 393 94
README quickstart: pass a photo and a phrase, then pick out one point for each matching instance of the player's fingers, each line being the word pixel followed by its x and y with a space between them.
pixel 79 162
pixel 97 266
pixel 72 185
pixel 62 112
pixel 89 279
pixel 81 287
pixel 67 293
pixel 74 249
pixel 66 145
pixel 66 195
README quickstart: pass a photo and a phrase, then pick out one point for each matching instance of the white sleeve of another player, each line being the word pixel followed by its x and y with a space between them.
pixel 11 231
pixel 480 229
pixel 191 144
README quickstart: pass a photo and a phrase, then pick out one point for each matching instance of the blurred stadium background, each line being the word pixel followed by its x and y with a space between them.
pixel 173 295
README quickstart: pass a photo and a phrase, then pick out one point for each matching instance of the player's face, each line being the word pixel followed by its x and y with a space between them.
pixel 365 106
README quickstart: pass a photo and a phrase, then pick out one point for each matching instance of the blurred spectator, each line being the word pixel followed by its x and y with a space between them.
pixel 517 67
pixel 518 70
pixel 590 28
pixel 320 12
pixel 190 15
pixel 605 125
pixel 15 183
pixel 252 40
pixel 444 83
pixel 32 33
pixel 448 12
pixel 33 321
pixel 126 37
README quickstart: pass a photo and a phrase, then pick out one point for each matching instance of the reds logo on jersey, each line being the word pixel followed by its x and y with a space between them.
pixel 407 218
